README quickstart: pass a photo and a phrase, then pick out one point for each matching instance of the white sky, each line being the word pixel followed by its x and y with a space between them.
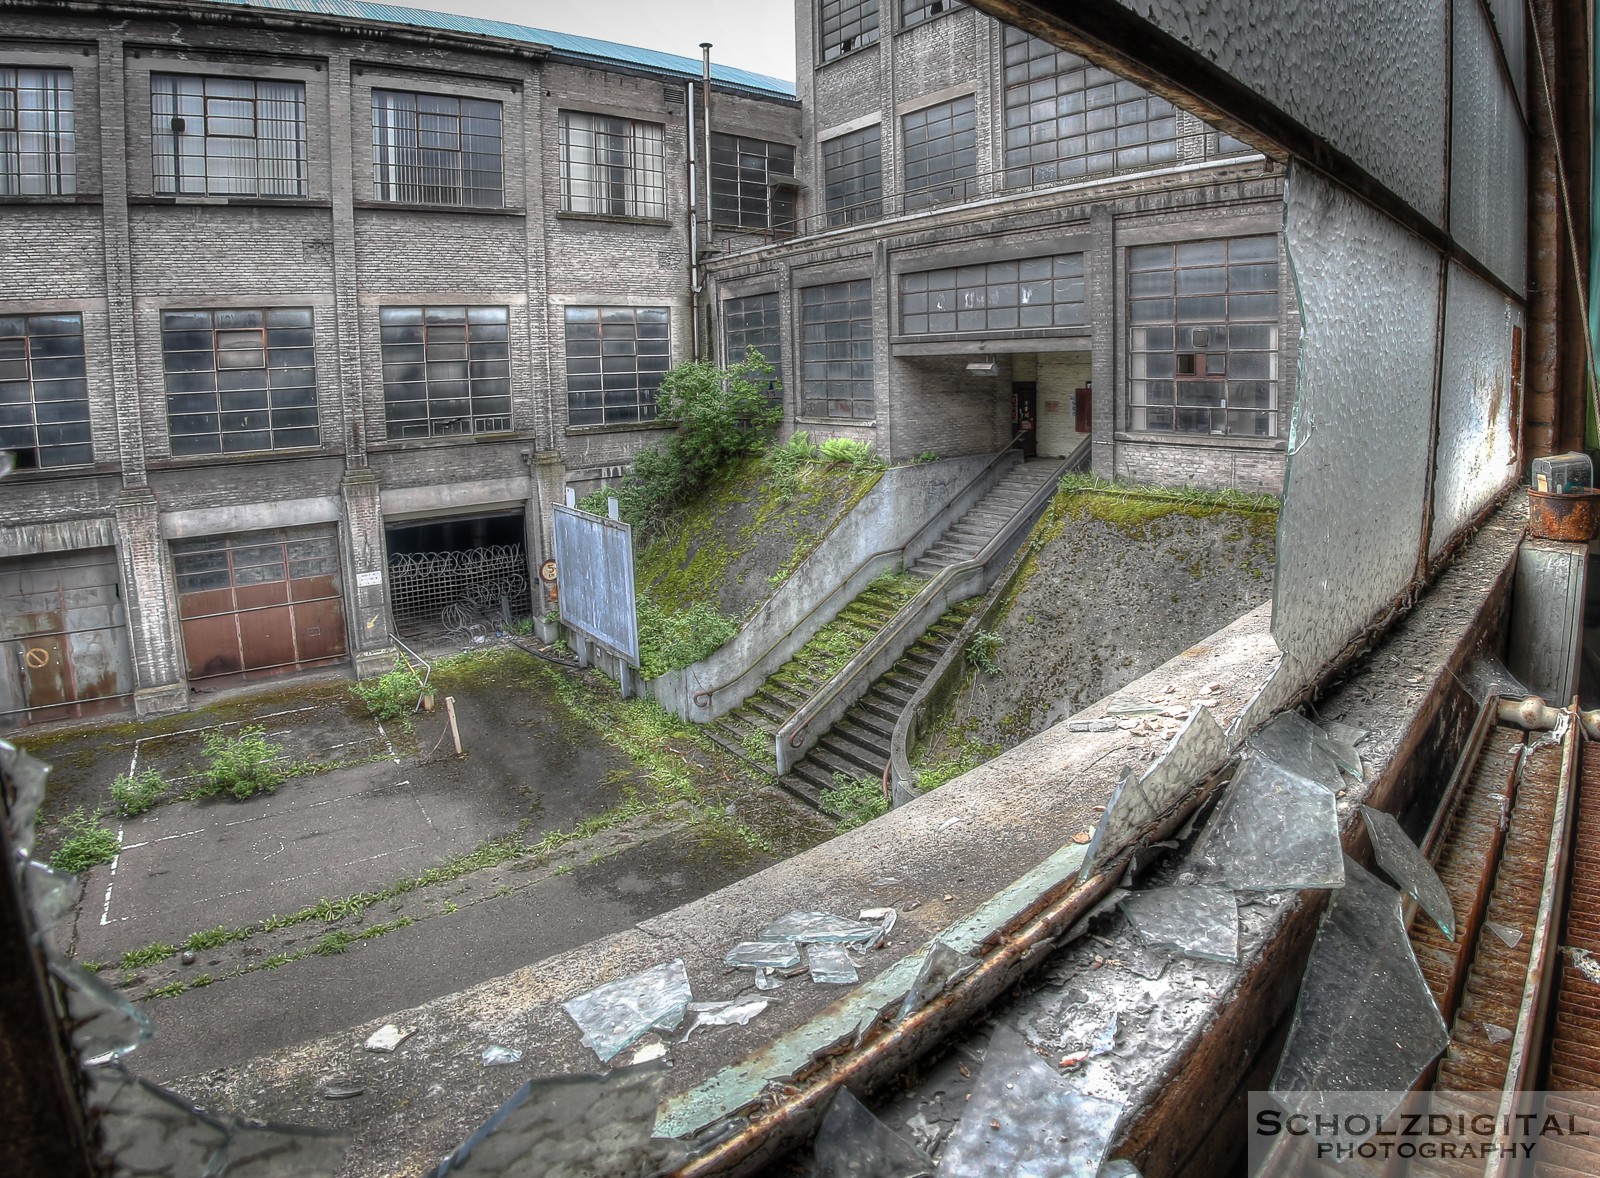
pixel 751 34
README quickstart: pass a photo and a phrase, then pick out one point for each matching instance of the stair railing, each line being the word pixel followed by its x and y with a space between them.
pixel 884 560
pixel 949 585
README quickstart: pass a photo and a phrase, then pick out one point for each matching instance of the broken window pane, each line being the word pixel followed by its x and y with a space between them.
pixel 1298 746
pixel 51 894
pixel 570 1127
pixel 1365 1020
pixel 105 1024
pixel 941 969
pixel 1024 1118
pixel 763 955
pixel 276 1151
pixel 853 1143
pixel 1275 830
pixel 1200 922
pixel 148 1130
pixel 27 776
pixel 1400 860
pixel 815 928
pixel 1199 748
pixel 831 965
pixel 616 1014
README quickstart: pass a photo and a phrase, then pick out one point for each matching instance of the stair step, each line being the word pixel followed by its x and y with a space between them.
pixel 921 660
pixel 892 693
pixel 827 763
pixel 787 700
pixel 806 781
pixel 879 707
pixel 844 756
pixel 872 730
pixel 770 710
pixel 766 765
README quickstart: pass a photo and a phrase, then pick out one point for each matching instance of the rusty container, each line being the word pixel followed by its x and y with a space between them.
pixel 1568 517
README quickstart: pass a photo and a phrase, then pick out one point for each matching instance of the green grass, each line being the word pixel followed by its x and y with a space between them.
pixel 213 938
pixel 87 843
pixel 170 990
pixel 149 955
pixel 965 757
pixel 136 793
pixel 855 801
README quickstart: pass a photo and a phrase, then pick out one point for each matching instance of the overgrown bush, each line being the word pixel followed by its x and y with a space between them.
pixel 855 801
pixel 138 792
pixel 392 695
pixel 670 641
pixel 242 765
pixel 786 461
pixel 720 414
pixel 981 648
pixel 87 843
pixel 850 452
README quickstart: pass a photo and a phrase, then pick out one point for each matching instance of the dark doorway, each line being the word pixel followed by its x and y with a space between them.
pixel 457 575
pixel 1025 416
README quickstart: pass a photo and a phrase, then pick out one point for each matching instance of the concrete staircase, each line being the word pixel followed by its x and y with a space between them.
pixel 965 538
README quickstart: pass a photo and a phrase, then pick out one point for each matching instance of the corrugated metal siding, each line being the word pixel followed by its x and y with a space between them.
pixel 563 44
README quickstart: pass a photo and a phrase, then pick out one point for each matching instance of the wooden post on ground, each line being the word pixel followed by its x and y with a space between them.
pixel 450 711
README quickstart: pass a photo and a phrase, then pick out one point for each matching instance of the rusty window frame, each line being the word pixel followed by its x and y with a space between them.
pixel 437 149
pixel 616 357
pixel 844 26
pixel 446 370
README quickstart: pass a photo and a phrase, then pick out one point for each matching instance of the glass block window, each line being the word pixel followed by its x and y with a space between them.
pixel 446 370
pixel 914 12
pixel 1066 119
pixel 239 380
pixel 227 136
pixel 941 152
pixel 753 322
pixel 616 357
pixel 836 350
pixel 999 296
pixel 1203 337
pixel 742 189
pixel 612 166
pixel 44 391
pixel 436 149
pixel 37 144
pixel 846 25
pixel 852 166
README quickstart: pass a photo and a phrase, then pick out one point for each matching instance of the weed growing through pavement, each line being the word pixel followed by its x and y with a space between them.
pixel 135 793
pixel 149 955
pixel 243 765
pixel 87 843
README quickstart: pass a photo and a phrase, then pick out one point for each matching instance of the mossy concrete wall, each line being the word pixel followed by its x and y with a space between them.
pixel 1117 583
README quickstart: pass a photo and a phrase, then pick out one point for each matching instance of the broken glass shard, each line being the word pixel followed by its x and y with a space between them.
pixel 1130 705
pixel 1200 922
pixel 1024 1118
pixel 388 1037
pixel 498 1057
pixel 853 1143
pixel 723 1014
pixel 51 893
pixel 1505 932
pixel 279 1151
pixel 1344 733
pixel 149 1130
pixel 1136 804
pixel 612 1016
pixel 1496 1033
pixel 1275 830
pixel 767 980
pixel 942 968
pixel 570 1127
pixel 817 928
pixel 1298 746
pixel 763 955
pixel 27 777
pixel 1487 676
pixel 1403 863
pixel 1365 1020
pixel 105 1024
pixel 830 965
pixel 1119 1168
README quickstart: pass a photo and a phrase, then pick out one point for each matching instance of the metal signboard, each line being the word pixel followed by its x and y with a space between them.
pixel 595 558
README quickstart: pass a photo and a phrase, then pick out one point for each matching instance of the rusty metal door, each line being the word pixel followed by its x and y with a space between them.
pixel 65 637
pixel 258 604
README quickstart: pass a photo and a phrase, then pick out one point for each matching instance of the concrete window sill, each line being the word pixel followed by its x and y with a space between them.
pixel 1222 443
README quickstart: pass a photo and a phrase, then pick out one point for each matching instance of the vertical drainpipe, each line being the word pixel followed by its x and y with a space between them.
pixel 705 82
pixel 1541 413
pixel 694 230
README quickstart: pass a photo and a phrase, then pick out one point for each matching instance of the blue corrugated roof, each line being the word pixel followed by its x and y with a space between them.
pixel 563 43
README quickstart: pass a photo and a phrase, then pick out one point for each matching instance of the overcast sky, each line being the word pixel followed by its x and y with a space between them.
pixel 752 34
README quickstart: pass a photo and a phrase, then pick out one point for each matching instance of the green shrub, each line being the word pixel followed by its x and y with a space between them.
pixel 846 452
pixel 788 460
pixel 392 695
pixel 928 456
pixel 87 843
pixel 964 758
pixel 242 765
pixel 981 648
pixel 138 792
pixel 855 801
pixel 668 642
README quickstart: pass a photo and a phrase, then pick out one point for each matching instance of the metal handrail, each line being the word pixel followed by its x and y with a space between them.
pixel 875 645
pixel 702 699
pixel 427 669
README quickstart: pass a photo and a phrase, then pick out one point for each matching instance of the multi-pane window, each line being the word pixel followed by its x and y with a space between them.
pixel 228 136
pixel 1065 118
pixel 240 380
pixel 44 393
pixel 446 370
pixel 616 357
pixel 914 12
pixel 612 166
pixel 941 152
pixel 754 322
pixel 836 350
pixel 744 183
pixel 852 166
pixel 436 149
pixel 37 156
pixel 999 296
pixel 846 25
pixel 1203 337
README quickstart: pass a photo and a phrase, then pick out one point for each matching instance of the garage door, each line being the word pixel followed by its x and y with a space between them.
pixel 65 637
pixel 258 604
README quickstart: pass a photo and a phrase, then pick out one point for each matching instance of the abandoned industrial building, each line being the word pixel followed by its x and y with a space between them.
pixel 273 393
pixel 1115 698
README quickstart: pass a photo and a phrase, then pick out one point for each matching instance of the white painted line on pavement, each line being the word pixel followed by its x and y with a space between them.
pixel 105 909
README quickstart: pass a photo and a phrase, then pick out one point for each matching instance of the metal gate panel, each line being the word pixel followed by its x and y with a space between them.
pixel 260 602
pixel 65 637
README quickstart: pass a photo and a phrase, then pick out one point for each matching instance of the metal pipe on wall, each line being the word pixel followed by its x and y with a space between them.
pixel 705 54
pixel 694 228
